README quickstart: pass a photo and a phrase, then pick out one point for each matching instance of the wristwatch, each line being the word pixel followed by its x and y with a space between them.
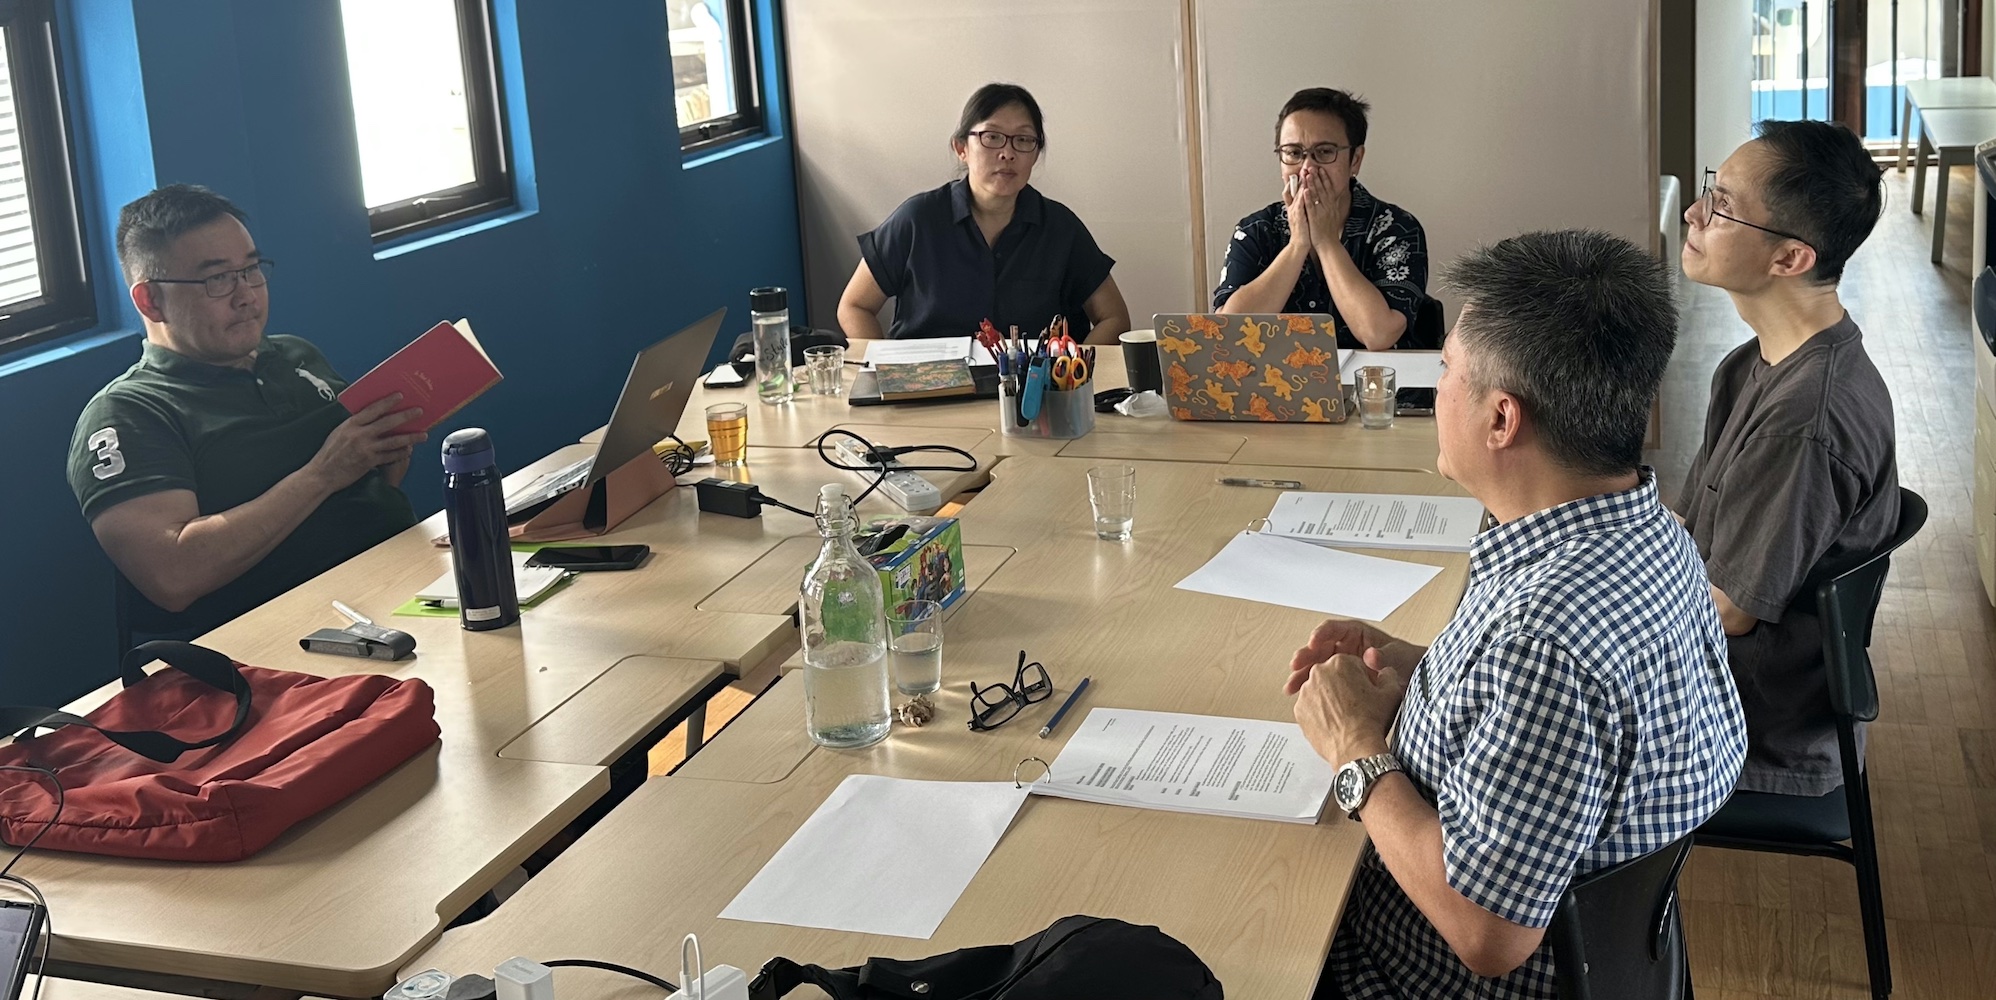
pixel 1354 780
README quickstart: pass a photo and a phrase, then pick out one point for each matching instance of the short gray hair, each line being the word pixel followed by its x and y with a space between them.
pixel 1579 325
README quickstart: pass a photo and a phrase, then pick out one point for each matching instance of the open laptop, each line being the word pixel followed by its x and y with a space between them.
pixel 655 394
pixel 1258 366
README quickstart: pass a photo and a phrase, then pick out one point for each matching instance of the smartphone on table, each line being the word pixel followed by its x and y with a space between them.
pixel 20 932
pixel 590 558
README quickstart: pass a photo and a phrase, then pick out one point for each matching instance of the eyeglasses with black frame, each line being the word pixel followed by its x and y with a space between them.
pixel 997 140
pixel 997 704
pixel 1323 153
pixel 1708 200
pixel 223 283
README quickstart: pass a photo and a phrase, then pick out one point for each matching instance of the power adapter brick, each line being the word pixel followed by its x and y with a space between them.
pixel 721 496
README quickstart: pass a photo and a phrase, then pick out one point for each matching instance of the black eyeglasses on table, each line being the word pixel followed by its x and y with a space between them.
pixel 997 704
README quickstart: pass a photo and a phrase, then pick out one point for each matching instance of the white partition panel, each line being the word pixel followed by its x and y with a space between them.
pixel 877 86
pixel 1488 119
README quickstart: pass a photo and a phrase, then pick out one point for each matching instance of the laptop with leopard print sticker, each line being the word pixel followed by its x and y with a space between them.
pixel 1273 367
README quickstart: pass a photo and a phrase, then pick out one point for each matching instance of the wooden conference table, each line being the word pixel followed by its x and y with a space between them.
pixel 1258 901
pixel 532 715
pixel 1409 445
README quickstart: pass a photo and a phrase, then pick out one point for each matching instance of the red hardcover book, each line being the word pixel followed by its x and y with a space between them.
pixel 439 371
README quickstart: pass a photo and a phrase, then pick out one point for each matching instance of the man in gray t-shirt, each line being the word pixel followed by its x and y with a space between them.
pixel 1795 480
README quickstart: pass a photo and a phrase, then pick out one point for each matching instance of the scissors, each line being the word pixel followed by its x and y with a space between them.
pixel 1069 373
pixel 988 336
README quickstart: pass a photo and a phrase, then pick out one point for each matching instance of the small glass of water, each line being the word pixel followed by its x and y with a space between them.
pixel 826 367
pixel 1378 392
pixel 915 646
pixel 1112 492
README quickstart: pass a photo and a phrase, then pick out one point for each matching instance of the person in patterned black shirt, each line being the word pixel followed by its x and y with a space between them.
pixel 1328 246
pixel 1577 712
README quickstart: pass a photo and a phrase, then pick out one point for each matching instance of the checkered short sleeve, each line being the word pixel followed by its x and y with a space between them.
pixel 1530 794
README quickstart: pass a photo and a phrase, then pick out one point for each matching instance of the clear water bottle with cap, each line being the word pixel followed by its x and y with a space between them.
pixel 481 554
pixel 845 636
pixel 769 315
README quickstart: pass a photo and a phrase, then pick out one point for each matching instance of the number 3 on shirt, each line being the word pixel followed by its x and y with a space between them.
pixel 104 444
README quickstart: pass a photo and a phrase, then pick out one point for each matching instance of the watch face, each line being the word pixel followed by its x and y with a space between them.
pixel 1347 787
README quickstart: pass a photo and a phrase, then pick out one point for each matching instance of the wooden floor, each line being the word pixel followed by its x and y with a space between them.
pixel 1772 926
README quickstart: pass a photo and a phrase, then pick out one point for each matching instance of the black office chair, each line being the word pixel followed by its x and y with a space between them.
pixel 1617 932
pixel 1429 328
pixel 1820 826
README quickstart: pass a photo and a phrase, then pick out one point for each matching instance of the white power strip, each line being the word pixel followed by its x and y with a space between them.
pixel 722 982
pixel 915 494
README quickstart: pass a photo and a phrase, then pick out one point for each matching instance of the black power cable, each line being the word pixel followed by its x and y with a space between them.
pixel 590 963
pixel 878 457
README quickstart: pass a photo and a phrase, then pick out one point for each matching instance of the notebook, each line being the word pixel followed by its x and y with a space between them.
pixel 924 379
pixel 1277 368
pixel 439 371
pixel 530 581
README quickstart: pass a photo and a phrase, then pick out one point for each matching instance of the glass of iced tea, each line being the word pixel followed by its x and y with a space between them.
pixel 727 433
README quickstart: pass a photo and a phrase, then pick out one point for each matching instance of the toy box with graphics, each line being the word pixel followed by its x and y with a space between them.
pixel 922 561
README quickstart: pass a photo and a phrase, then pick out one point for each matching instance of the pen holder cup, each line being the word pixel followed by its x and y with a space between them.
pixel 1068 413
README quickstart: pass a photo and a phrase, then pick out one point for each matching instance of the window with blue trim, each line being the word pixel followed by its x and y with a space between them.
pixel 44 284
pixel 427 112
pixel 716 79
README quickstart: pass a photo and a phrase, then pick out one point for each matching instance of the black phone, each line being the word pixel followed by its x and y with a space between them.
pixel 20 929
pixel 589 558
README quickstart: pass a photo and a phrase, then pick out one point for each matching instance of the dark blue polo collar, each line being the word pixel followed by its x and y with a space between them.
pixel 1029 210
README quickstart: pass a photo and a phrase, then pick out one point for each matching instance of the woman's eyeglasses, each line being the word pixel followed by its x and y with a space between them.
pixel 997 140
pixel 997 704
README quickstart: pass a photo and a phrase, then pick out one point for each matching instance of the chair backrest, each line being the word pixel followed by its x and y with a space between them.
pixel 1430 326
pixel 1847 604
pixel 1616 932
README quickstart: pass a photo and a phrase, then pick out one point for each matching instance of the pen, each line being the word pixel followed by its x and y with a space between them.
pixel 1275 484
pixel 353 616
pixel 1064 706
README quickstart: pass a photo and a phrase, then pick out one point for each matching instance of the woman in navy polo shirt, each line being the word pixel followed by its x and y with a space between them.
pixel 986 245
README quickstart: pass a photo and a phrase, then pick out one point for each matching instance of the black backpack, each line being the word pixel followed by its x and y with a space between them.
pixel 1078 958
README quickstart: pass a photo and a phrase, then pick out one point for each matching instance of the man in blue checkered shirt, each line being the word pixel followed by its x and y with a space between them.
pixel 1577 712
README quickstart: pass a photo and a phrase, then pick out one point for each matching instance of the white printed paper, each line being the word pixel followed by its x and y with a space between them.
pixel 1378 520
pixel 1293 573
pixel 907 352
pixel 529 583
pixel 1411 369
pixel 882 856
pixel 1192 763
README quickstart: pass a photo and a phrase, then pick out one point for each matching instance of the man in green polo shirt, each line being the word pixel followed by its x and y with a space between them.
pixel 221 470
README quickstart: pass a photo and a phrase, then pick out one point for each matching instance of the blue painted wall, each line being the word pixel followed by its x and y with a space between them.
pixel 618 242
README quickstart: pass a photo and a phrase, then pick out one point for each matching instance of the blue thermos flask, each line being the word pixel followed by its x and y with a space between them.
pixel 480 551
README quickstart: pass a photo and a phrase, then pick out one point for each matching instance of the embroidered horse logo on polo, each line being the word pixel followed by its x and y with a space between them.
pixel 325 391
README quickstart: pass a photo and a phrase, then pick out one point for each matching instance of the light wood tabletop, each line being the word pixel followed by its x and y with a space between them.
pixel 1407 446
pixel 528 714
pixel 1256 900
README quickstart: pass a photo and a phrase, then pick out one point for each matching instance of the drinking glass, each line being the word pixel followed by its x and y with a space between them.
pixel 826 367
pixel 1112 492
pixel 1378 387
pixel 727 433
pixel 915 646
